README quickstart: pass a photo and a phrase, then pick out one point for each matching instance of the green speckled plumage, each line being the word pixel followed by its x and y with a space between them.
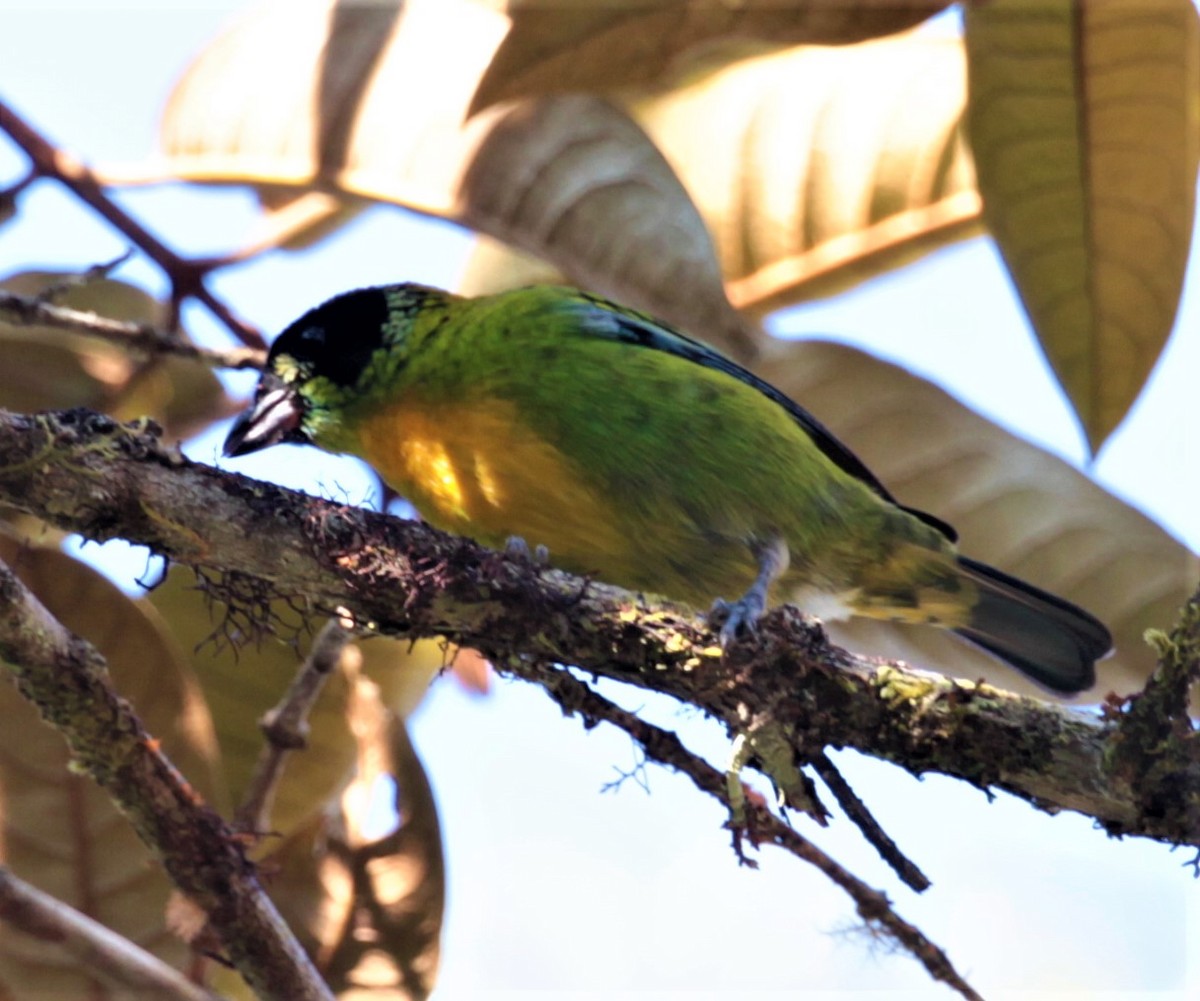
pixel 639 455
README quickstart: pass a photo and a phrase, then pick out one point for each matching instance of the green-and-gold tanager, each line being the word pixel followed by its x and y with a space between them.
pixel 639 455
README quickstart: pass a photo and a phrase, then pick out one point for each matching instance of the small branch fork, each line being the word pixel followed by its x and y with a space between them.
pixel 575 697
pixel 67 680
pixel 187 277
pixel 285 726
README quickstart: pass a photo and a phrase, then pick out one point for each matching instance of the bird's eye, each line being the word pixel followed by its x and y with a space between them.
pixel 313 335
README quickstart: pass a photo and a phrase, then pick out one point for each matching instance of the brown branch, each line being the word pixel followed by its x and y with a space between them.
pixel 575 697
pixel 66 678
pixel 857 811
pixel 140 337
pixel 186 276
pixel 286 727
pixel 101 951
pixel 85 473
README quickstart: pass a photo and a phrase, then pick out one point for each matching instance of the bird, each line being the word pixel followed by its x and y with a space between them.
pixel 549 416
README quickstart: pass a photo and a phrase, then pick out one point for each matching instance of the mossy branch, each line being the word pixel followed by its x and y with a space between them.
pixel 85 473
pixel 67 679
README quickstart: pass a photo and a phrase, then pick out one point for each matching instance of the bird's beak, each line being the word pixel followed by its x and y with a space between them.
pixel 273 417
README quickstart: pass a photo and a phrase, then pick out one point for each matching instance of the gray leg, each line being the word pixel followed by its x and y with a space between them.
pixel 734 617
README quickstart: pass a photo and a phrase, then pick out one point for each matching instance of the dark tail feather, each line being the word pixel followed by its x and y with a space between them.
pixel 1054 642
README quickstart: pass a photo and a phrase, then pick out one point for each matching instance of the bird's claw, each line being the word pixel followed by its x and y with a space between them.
pixel 517 547
pixel 735 618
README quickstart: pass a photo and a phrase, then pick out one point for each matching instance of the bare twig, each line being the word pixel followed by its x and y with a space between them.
pixel 575 697
pixel 102 952
pixel 139 337
pixel 286 726
pixel 857 811
pixel 186 276
pixel 66 678
pixel 94 273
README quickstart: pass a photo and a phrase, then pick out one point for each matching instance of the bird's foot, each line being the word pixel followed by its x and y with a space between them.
pixel 516 546
pixel 736 618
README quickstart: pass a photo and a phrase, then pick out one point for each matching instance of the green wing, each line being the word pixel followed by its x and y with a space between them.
pixel 603 318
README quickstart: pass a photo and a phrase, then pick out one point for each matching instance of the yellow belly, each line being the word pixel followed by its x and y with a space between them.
pixel 473 468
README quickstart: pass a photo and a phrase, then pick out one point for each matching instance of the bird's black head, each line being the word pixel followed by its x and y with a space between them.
pixel 336 339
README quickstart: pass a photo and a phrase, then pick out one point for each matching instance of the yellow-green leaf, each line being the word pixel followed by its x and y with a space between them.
pixel 1014 505
pixel 1084 123
pixel 58 830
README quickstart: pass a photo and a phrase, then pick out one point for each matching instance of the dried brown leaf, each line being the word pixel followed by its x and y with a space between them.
pixel 242 682
pixel 393 947
pixel 572 179
pixel 814 169
pixel 818 168
pixel 587 47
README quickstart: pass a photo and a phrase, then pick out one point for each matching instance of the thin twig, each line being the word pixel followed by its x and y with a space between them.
pixel 575 697
pixel 98 950
pixel 285 726
pixel 857 811
pixel 140 337
pixel 186 276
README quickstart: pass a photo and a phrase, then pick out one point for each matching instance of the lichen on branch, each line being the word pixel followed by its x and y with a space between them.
pixel 85 473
